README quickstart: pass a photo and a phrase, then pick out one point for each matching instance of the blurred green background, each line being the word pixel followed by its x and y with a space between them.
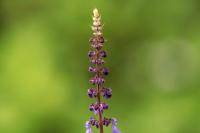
pixel 153 54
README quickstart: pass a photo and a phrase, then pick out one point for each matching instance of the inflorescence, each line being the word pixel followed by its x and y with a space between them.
pixel 96 56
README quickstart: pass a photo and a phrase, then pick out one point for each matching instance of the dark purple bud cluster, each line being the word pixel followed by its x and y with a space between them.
pixel 106 121
pixel 107 93
pixel 92 93
pixel 96 107
pixel 94 122
pixel 102 54
pixel 96 56
pixel 105 71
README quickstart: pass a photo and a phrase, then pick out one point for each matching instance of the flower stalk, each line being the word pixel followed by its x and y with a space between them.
pixel 96 56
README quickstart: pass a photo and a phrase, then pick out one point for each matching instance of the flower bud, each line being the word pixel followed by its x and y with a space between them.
pixel 92 93
pixel 91 53
pixel 106 121
pixel 92 69
pixel 105 71
pixel 102 54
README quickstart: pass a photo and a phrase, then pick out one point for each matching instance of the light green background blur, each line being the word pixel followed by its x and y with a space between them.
pixel 153 54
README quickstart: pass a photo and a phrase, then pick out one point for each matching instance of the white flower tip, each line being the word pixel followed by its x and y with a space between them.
pixel 96 12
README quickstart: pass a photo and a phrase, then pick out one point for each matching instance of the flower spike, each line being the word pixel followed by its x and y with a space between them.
pixel 97 59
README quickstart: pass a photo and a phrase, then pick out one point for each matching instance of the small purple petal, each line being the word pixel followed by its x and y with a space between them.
pixel 96 112
pixel 114 128
pixel 97 124
pixel 105 106
pixel 109 93
pixel 92 118
pixel 114 121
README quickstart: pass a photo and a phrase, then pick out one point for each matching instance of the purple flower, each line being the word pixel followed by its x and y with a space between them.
pixel 105 71
pixel 96 57
pixel 106 121
pixel 91 92
pixel 103 53
pixel 91 53
pixel 114 124
pixel 94 122
pixel 88 127
pixel 94 107
pixel 107 93
pixel 104 106
pixel 92 69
